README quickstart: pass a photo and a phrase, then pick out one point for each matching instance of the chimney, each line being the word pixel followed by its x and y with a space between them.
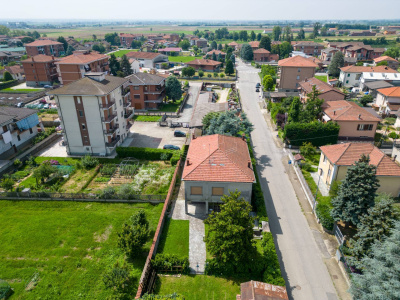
pixel 334 112
pixel 249 164
pixel 188 162
pixel 359 116
pixel 193 136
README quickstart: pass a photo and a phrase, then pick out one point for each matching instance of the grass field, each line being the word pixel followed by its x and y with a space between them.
pixel 321 77
pixel 21 91
pixel 120 53
pixel 146 118
pixel 183 59
pixel 198 287
pixel 70 244
pixel 175 238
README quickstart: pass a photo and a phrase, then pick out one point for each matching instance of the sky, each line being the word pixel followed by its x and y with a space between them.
pixel 202 9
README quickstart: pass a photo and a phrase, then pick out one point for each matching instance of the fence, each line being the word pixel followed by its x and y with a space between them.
pixel 338 234
pixel 183 103
pixel 149 274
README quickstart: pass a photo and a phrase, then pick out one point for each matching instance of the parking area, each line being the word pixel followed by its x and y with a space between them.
pixel 149 134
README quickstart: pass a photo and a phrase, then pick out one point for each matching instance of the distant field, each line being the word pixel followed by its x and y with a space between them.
pixel 183 59
pixel 120 53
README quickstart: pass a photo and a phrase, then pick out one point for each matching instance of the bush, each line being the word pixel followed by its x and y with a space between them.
pixel 307 167
pixel 149 154
pixel 317 133
pixel 323 212
pixel 166 262
pixel 308 149
pixel 272 273
pixel 333 191
pixel 117 279
pixel 102 179
pixel 134 234
pixel 17 163
pixel 107 193
pixel 173 296
pixel 392 135
pixel 20 175
pixel 108 169
pixel 389 121
pixel 89 162
pixel 7 183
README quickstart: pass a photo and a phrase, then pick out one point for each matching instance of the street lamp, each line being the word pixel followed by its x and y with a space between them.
pixel 316 193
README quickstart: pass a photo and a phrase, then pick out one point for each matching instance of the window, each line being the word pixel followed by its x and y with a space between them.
pixel 324 159
pixel 299 70
pixel 365 127
pixel 136 87
pixel 329 172
pixel 136 96
pixel 347 81
pixel 217 191
pixel 348 75
pixel 298 77
pixel 81 113
pixel 122 114
pixel 83 126
pixel 78 99
pixel 30 130
pixel 196 190
pixel 18 137
pixel 120 102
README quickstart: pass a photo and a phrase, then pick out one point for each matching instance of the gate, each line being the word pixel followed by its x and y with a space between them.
pixel 338 234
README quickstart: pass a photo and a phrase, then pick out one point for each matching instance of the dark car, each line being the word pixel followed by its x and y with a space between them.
pixel 258 85
pixel 178 133
pixel 171 147
pixel 257 90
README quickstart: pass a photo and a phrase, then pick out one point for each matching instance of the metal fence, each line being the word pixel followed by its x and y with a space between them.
pixel 338 234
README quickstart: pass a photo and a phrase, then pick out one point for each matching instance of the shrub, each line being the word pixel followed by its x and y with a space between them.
pixel 20 175
pixel 107 193
pixel 323 212
pixel 149 153
pixel 393 135
pixel 307 167
pixel 333 191
pixel 389 121
pixel 17 163
pixel 164 156
pixel 134 234
pixel 173 296
pixel 257 196
pixel 89 162
pixel 102 179
pixel 272 273
pixel 108 169
pixel 7 183
pixel 317 133
pixel 117 278
pixel 308 149
pixel 166 262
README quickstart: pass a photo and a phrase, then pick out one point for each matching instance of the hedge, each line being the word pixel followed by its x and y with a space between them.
pixel 149 153
pixel 7 84
pixel 317 133
pixel 166 262
pixel 323 212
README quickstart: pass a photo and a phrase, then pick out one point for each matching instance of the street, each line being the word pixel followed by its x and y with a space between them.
pixel 300 257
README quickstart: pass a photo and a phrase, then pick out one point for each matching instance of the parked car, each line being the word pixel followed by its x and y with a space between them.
pixel 43 101
pixel 178 133
pixel 46 106
pixel 20 104
pixel 257 90
pixel 258 85
pixel 171 147
pixel 47 86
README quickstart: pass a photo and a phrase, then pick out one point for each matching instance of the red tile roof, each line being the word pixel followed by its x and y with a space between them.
pixel 322 87
pixel 218 158
pixel 254 44
pixel 216 52
pixel 171 49
pixel 204 62
pixel 342 110
pixel 384 58
pixel 81 58
pixel 296 61
pixel 15 69
pixel 39 58
pixel 233 44
pixel 361 69
pixel 391 91
pixel 347 154
pixel 262 51
pixel 143 55
pixel 43 43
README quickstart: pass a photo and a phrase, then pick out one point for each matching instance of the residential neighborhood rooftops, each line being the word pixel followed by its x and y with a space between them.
pixel 43 43
pixel 347 154
pixel 384 58
pixel 81 57
pixel 145 79
pixel 390 91
pixel 379 84
pixel 216 52
pixel 254 44
pixel 204 62
pixel 14 114
pixel 361 69
pixel 39 58
pixel 218 158
pixel 143 55
pixel 322 87
pixel 90 86
pixel 296 61
pixel 342 110
pixel 261 50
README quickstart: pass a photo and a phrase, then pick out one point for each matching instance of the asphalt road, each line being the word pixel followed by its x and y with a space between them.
pixel 301 259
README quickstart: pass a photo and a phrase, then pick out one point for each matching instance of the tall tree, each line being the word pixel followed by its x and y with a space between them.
pixel 253 35
pixel 214 56
pixel 357 192
pixel 268 82
pixel 285 49
pixel 276 32
pixel 134 234
pixel 275 49
pixel 287 33
pixel 295 109
pixel 173 88
pixel 243 35
pixel 219 47
pixel 265 43
pixel 62 40
pixel 393 52
pixel 375 225
pixel 184 44
pixel 125 66
pixel 229 68
pixel 259 36
pixel 246 52
pixel 317 27
pixel 7 76
pixel 336 63
pixel 301 35
pixel 230 233
pixel 214 45
pixel 228 123
pixel 381 272
pixel 70 50
pixel 235 36
pixel 114 64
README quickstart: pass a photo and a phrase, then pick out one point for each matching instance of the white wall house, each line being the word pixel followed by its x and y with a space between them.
pixel 94 113
pixel 388 100
pixel 393 78
pixel 350 76
pixel 18 126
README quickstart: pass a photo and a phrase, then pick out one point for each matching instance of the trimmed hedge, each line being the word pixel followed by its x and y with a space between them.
pixel 7 84
pixel 323 212
pixel 166 262
pixel 317 133
pixel 149 153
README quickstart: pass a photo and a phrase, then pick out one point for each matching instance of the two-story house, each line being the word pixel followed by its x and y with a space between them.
pixel 309 48
pixel 350 76
pixel 45 47
pixel 391 62
pixel 325 91
pixel 388 100
pixel 148 59
pixel 94 114
pixel 40 70
pixel 147 91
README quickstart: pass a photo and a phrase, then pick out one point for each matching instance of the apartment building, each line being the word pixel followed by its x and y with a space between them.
pixel 147 91
pixel 94 113
pixel 309 48
pixel 261 55
pixel 350 76
pixel 293 70
pixel 40 70
pixel 75 66
pixel 18 126
pixel 45 47
pixel 126 39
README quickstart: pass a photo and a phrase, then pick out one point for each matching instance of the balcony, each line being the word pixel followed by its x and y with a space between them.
pixel 111 130
pixel 113 142
pixel 127 104
pixel 109 118
pixel 107 105
pixel 129 114
pixel 129 125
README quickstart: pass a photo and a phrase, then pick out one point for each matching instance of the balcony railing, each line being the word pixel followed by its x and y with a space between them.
pixel 128 114
pixel 111 130
pixel 113 142
pixel 129 125
pixel 127 104
pixel 109 118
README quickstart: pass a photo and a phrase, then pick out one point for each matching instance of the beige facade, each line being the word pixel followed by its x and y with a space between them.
pixel 357 129
pixel 291 76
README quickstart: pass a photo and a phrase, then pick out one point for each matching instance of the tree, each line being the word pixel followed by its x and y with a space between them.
pixel 229 68
pixel 336 63
pixel 207 119
pixel 136 44
pixel 62 40
pixel 219 58
pixel 219 47
pixel 43 172
pixel 375 225
pixel 324 31
pixel 301 35
pixel 287 33
pixel 317 27
pixel 173 88
pixel 308 149
pixel 265 43
pixel 114 64
pixel 393 52
pixel 252 35
pixel 188 72
pixel 275 49
pixel 382 63
pixel 381 272
pixel 259 36
pixel 118 280
pixel 184 44
pixel 201 73
pixel 125 66
pixel 230 233
pixel 243 35
pixel 366 99
pixel 235 36
pixel 222 75
pixel 70 50
pixel 357 192
pixel 94 37
pixel 7 76
pixel 295 109
pixel 214 45
pixel 285 49
pixel 228 123
pixel 27 39
pixel 233 58
pixel 214 56
pixel 276 32
pixel 7 183
pixel 268 82
pixel 246 52
pixel 99 48
pixel 112 38
pixel 134 233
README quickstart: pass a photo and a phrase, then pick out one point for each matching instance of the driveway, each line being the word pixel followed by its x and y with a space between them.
pixel 186 114
pixel 300 257
pixel 149 134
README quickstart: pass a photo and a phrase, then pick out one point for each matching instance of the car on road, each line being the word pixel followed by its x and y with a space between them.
pixel 20 104
pixel 178 133
pixel 171 147
pixel 257 90
pixel 258 85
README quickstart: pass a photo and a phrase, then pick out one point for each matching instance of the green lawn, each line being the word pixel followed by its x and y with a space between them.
pixel 21 91
pixel 321 77
pixel 175 238
pixel 119 53
pixel 70 244
pixel 146 118
pixel 183 59
pixel 198 287
pixel 171 106
pixel 313 187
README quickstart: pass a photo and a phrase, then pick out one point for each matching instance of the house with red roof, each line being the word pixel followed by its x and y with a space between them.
pixel 173 51
pixel 216 164
pixel 217 53
pixel 205 65
pixel 148 59
pixel 262 55
pixel 325 91
pixel 356 123
pixel 388 100
pixel 350 76
pixel 45 47
pixel 391 62
pixel 294 70
pixel 254 45
pixel 336 159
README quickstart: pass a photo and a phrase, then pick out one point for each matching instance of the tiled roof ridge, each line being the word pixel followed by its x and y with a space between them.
pixel 345 150
pixel 207 157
